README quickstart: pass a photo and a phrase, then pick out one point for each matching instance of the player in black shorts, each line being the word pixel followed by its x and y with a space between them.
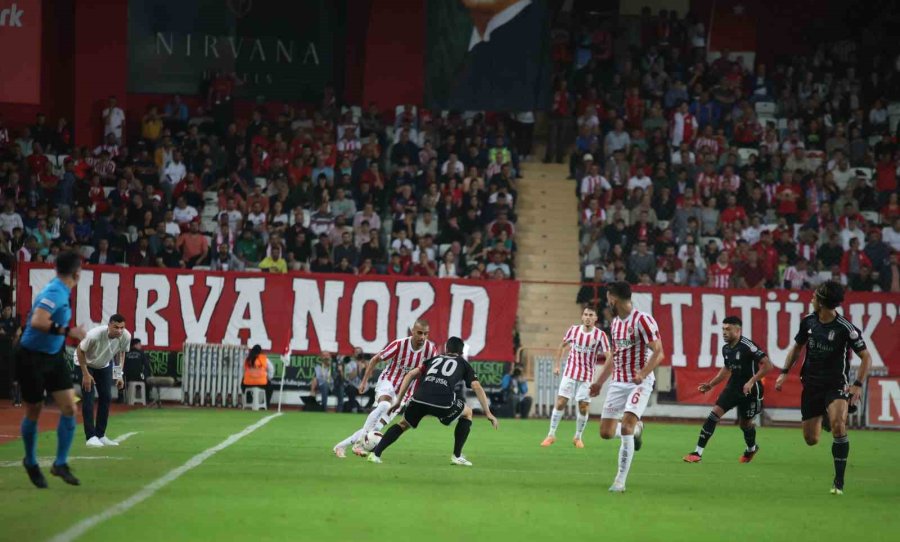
pixel 827 391
pixel 435 396
pixel 743 391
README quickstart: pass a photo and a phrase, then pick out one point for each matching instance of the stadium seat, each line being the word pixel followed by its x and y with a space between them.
pixel 874 140
pixel 254 399
pixel 135 393
pixel 589 271
pixel 261 182
pixel 705 241
pixel 824 275
pixel 201 268
pixel 442 248
pixel 745 153
pixel 107 190
pixel 765 109
pixel 662 224
pixel 765 119
pixel 873 217
pixel 864 172
pixel 159 382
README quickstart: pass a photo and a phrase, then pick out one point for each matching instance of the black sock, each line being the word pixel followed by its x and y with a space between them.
pixel 750 436
pixel 390 436
pixel 840 450
pixel 461 434
pixel 706 432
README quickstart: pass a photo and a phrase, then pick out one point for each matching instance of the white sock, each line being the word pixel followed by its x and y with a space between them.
pixel 699 450
pixel 619 430
pixel 375 416
pixel 386 420
pixel 580 423
pixel 626 454
pixel 554 421
pixel 351 439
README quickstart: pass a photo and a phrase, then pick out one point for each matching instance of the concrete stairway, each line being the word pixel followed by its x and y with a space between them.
pixel 547 239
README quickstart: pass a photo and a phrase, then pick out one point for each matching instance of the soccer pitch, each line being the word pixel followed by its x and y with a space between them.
pixel 282 482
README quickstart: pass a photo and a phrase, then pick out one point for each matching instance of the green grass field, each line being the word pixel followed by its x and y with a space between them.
pixel 281 482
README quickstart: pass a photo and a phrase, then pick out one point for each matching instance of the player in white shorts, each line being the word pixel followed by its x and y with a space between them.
pixel 402 356
pixel 637 352
pixel 587 345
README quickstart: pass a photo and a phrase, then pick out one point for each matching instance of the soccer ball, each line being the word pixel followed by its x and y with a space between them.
pixel 371 440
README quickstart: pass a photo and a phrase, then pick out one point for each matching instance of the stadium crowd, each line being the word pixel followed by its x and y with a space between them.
pixel 725 174
pixel 319 189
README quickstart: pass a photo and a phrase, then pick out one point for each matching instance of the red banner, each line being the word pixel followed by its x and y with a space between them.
pixel 883 402
pixel 20 51
pixel 690 321
pixel 166 308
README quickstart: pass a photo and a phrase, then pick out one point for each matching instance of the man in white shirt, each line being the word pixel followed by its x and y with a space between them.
pixel 113 120
pixel 640 180
pixel 851 232
pixel 174 172
pixel 10 219
pixel 95 354
pixel 891 235
pixel 184 213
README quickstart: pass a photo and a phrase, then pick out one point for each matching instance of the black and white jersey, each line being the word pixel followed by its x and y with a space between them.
pixel 743 360
pixel 440 376
pixel 828 349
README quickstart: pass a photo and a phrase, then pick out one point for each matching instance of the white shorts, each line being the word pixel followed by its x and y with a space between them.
pixel 385 387
pixel 569 388
pixel 624 397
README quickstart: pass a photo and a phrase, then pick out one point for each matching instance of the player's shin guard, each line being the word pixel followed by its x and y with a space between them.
pixel 555 418
pixel 389 438
pixel 29 437
pixel 460 435
pixel 626 454
pixel 840 450
pixel 750 437
pixel 706 432
pixel 580 423
pixel 65 432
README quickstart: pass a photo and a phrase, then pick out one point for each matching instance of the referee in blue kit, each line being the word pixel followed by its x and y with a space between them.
pixel 41 366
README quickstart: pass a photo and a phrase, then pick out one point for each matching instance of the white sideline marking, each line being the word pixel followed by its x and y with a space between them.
pixel 147 491
pixel 122 438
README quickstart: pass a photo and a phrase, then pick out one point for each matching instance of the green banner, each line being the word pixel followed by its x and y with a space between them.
pixel 276 49
pixel 301 369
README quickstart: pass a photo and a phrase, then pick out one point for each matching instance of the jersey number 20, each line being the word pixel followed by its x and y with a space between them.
pixel 445 365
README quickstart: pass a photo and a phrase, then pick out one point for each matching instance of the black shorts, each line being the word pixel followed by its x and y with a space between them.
pixel 38 372
pixel 815 398
pixel 747 406
pixel 415 411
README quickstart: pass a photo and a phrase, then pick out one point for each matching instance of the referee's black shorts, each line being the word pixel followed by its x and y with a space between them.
pixel 415 411
pixel 38 372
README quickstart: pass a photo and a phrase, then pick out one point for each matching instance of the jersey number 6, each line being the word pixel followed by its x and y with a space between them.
pixel 635 398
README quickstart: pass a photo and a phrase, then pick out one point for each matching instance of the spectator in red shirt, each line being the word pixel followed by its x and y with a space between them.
pixel 788 194
pixel 37 161
pixel 768 255
pixel 732 213
pixel 854 259
pixel 885 177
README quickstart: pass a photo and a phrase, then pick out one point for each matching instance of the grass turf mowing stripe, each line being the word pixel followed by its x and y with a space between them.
pixel 147 491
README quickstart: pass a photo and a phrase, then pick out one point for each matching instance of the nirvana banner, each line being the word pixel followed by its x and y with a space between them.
pixel 279 50
pixel 315 313
pixel 488 54
pixel 690 323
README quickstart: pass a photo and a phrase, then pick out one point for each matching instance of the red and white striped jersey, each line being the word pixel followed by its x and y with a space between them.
pixel 401 359
pixel 585 351
pixel 631 338
pixel 720 275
